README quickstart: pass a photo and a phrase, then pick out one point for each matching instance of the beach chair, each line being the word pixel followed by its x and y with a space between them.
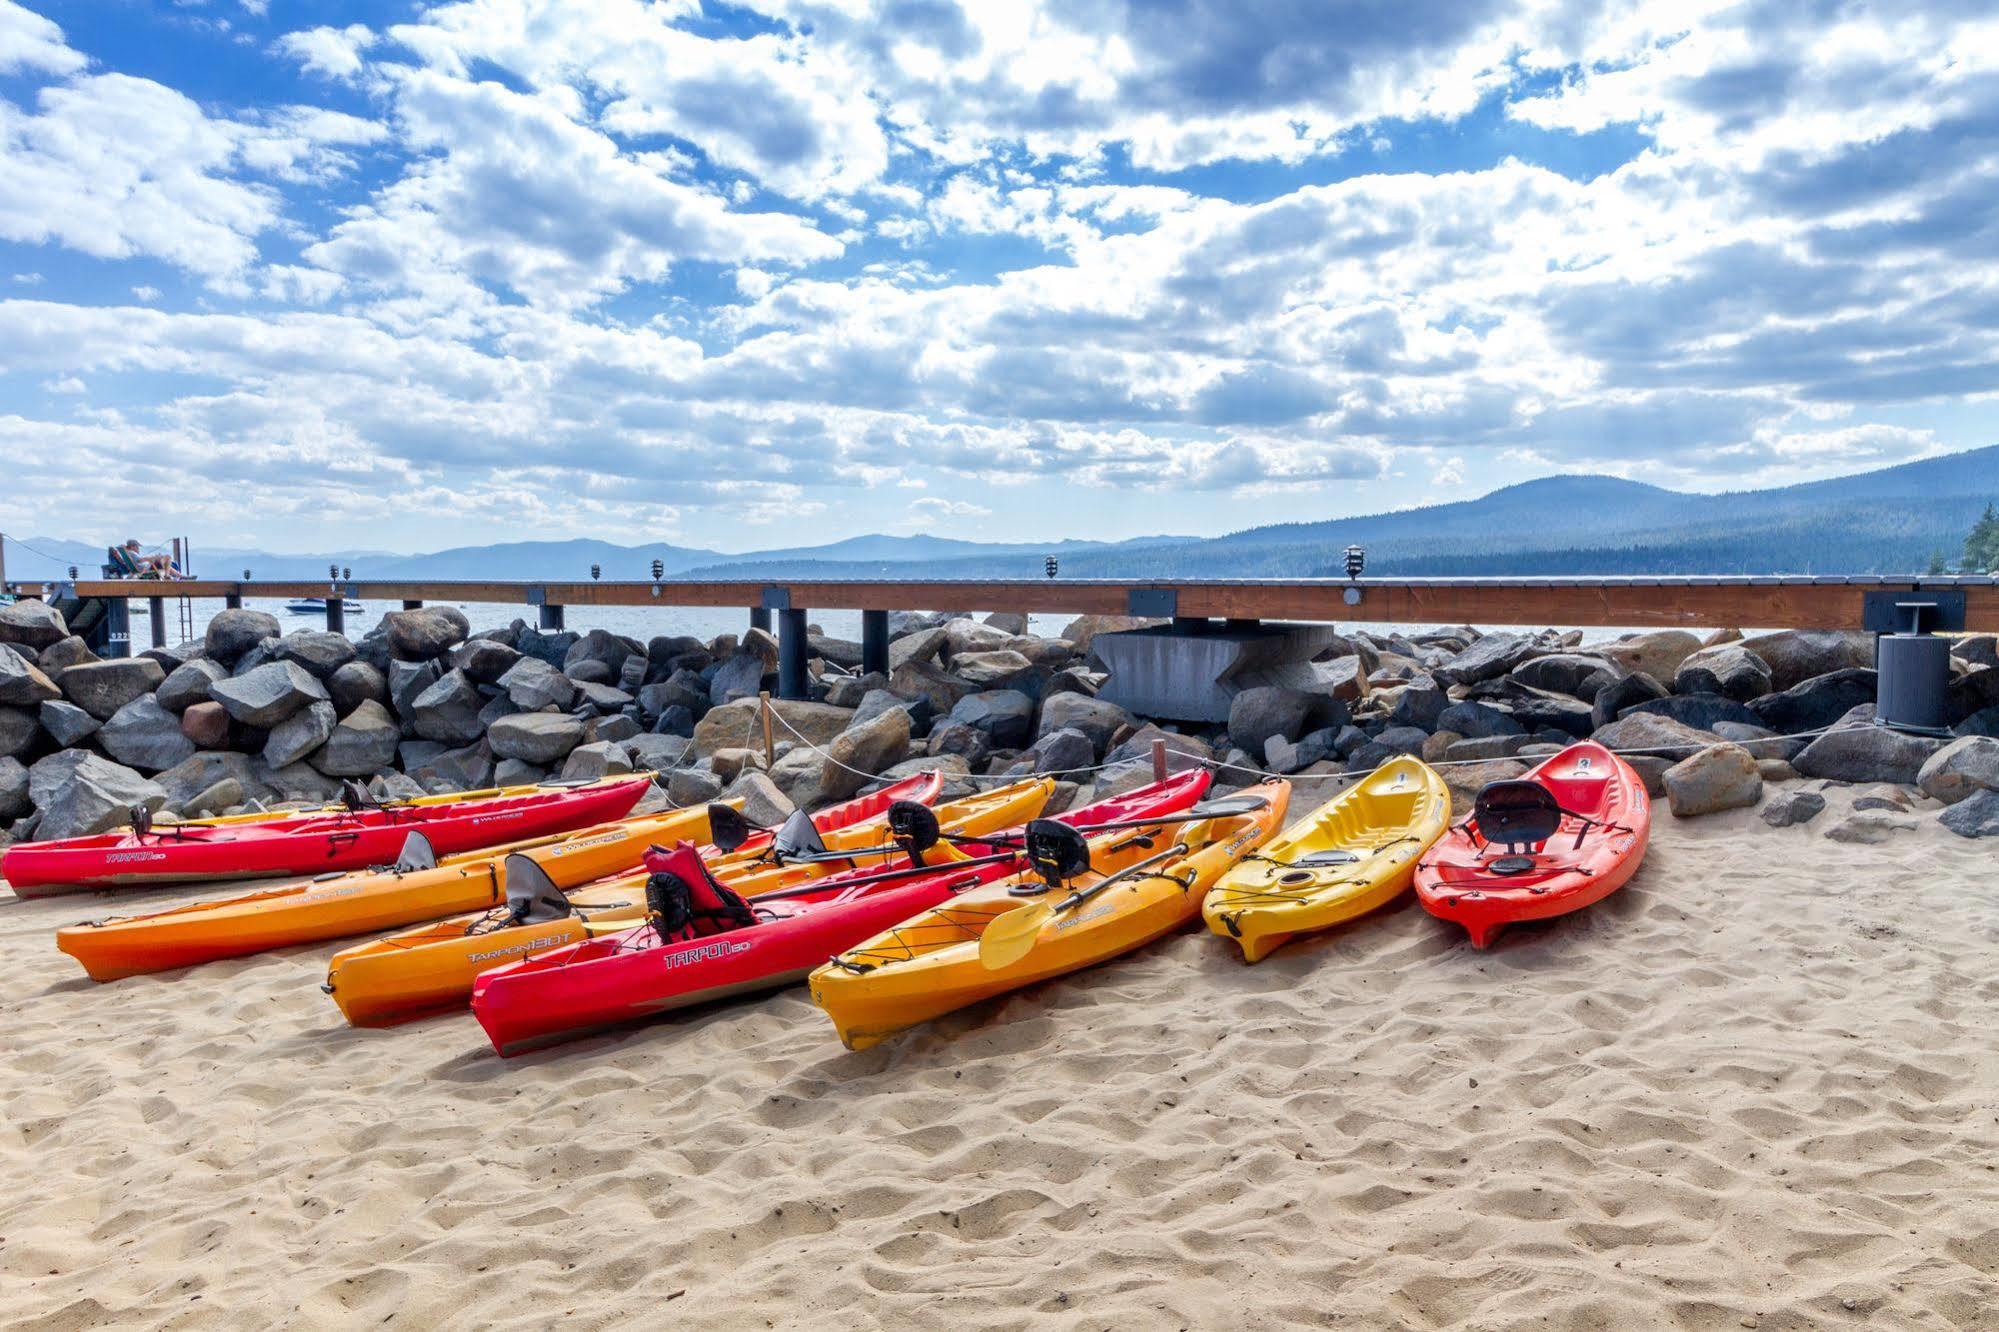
pixel 122 563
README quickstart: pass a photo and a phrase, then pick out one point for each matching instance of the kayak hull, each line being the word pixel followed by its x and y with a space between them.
pixel 627 977
pixel 342 905
pixel 318 844
pixel 612 981
pixel 1580 865
pixel 430 970
pixel 425 972
pixel 930 965
pixel 1353 855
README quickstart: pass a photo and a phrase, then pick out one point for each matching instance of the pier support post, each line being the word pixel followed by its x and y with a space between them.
pixel 156 611
pixel 760 618
pixel 551 617
pixel 336 612
pixel 232 600
pixel 791 655
pixel 874 642
pixel 118 627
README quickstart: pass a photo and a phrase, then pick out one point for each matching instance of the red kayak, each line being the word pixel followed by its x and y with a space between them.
pixel 314 844
pixel 1569 833
pixel 727 946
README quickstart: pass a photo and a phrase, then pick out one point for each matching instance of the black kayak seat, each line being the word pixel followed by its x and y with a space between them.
pixel 417 854
pixel 532 897
pixel 797 839
pixel 1516 813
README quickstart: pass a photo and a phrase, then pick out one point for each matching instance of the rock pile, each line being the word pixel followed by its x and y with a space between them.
pixel 250 717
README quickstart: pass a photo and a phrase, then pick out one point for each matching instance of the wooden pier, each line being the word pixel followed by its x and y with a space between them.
pixel 1193 605
pixel 1636 602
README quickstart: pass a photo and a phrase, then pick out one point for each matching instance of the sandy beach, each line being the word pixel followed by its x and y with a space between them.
pixel 1756 1088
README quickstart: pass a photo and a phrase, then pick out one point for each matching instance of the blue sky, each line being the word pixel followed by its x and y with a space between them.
pixel 307 276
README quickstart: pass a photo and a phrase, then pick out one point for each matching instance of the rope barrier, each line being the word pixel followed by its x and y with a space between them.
pixel 7 536
pixel 1000 778
pixel 1219 765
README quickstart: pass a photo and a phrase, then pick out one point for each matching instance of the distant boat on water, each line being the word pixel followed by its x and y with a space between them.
pixel 316 606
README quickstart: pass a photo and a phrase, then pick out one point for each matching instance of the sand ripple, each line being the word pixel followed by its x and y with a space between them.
pixel 1757 1088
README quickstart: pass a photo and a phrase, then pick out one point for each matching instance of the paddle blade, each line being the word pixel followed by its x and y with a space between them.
pixel 1011 937
pixel 727 828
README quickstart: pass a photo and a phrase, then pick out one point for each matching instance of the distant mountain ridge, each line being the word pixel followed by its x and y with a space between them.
pixel 1890 520
pixel 42 558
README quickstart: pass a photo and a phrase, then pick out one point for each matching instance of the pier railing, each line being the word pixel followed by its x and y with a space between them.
pixel 1794 602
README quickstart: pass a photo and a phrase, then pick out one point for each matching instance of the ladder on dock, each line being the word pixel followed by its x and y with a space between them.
pixel 183 551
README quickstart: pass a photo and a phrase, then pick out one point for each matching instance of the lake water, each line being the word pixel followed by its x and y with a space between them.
pixel 639 622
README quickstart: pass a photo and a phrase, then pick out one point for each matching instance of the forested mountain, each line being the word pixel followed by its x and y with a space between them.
pixel 1888 521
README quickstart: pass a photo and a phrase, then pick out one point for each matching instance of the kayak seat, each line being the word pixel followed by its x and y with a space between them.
pixel 532 897
pixel 1516 814
pixel 684 901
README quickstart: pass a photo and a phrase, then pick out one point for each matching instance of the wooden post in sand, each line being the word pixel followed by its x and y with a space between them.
pixel 1158 760
pixel 763 710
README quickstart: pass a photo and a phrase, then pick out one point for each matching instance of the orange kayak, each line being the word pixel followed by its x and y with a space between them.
pixel 337 906
pixel 431 969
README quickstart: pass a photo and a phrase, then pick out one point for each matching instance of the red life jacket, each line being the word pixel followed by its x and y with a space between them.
pixel 684 900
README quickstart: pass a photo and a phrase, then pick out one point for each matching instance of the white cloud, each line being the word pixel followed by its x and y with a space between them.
pixel 30 42
pixel 334 53
pixel 580 299
pixel 933 507
pixel 1195 82
pixel 116 166
pixel 793 114
pixel 508 192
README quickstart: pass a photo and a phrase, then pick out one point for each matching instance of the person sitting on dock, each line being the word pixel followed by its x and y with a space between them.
pixel 128 561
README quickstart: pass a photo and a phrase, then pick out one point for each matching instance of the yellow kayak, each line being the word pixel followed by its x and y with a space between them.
pixel 869 845
pixel 1117 891
pixel 1354 854
pixel 432 968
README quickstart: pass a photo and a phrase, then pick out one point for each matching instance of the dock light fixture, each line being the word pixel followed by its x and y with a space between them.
pixel 1356 560
pixel 333 573
pixel 658 572
pixel 246 575
pixel 346 574
pixel 596 572
pixel 72 573
pixel 1052 565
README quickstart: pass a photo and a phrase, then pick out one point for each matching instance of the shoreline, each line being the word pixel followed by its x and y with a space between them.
pixel 1751 1088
